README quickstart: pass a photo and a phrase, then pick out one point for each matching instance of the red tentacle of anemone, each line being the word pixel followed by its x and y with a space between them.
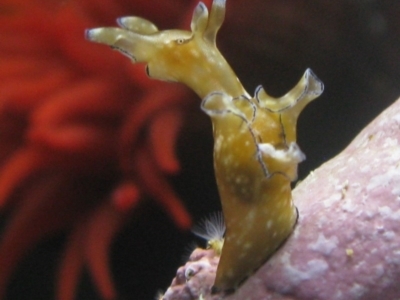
pixel 72 114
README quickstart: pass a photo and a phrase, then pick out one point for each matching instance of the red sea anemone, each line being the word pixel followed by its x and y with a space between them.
pixel 76 117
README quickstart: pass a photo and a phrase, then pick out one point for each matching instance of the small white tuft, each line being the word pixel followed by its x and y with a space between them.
pixel 211 228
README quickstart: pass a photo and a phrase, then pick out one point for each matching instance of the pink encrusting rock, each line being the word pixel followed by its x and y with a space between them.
pixel 346 244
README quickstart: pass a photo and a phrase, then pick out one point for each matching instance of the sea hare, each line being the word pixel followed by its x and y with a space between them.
pixel 255 150
pixel 346 244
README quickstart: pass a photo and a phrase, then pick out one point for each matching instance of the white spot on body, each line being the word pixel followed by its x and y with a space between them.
pixel 269 224
pixel 227 160
pixel 247 245
pixel 194 52
pixel 251 216
pixel 218 142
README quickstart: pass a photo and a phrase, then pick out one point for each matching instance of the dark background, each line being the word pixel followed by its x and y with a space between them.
pixel 354 48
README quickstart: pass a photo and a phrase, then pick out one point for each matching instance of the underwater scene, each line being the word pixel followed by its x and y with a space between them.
pixel 235 150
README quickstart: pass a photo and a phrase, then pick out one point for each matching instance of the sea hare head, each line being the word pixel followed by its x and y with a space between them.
pixel 190 57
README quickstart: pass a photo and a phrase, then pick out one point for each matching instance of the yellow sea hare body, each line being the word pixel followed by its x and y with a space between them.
pixel 255 151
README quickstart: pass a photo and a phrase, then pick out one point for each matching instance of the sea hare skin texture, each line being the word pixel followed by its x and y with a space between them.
pixel 346 245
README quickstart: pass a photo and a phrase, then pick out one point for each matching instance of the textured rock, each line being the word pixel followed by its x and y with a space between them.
pixel 346 244
pixel 196 278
